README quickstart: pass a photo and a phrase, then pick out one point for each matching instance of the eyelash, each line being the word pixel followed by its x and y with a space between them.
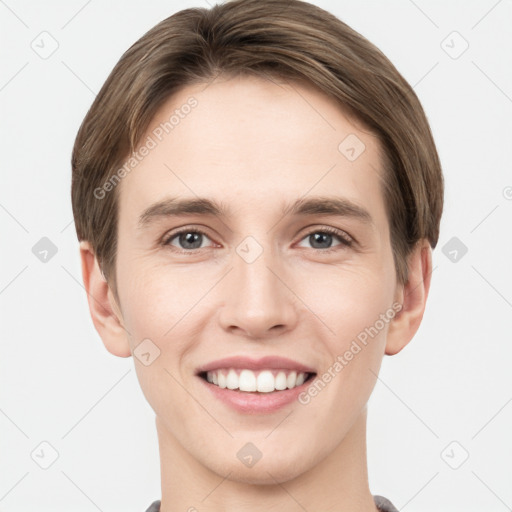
pixel 346 240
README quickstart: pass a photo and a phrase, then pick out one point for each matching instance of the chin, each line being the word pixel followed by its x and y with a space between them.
pixel 264 472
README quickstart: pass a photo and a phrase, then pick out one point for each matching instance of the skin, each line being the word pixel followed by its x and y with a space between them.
pixel 254 145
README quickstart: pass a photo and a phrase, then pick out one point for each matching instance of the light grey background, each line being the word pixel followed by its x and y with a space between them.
pixel 447 395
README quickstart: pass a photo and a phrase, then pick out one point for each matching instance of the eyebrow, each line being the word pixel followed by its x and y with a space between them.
pixel 316 205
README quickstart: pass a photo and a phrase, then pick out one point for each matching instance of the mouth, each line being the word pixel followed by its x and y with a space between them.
pixel 255 386
pixel 255 382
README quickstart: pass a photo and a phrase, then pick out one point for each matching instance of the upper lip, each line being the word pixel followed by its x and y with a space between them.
pixel 267 362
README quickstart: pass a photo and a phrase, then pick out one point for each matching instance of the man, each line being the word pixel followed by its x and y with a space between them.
pixel 257 193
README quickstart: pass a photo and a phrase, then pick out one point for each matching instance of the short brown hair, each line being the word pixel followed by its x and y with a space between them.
pixel 286 39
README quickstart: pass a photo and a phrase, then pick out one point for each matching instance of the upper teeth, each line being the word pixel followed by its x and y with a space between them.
pixel 264 381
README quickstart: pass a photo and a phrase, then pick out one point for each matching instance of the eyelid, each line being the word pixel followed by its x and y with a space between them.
pixel 346 241
pixel 343 235
pixel 169 235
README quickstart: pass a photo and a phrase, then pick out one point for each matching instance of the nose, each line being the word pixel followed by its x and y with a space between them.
pixel 259 301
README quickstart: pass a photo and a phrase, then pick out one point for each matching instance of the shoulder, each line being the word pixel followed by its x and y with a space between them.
pixel 154 507
pixel 383 504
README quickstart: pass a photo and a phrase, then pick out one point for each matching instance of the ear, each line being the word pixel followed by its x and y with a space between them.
pixel 413 297
pixel 105 312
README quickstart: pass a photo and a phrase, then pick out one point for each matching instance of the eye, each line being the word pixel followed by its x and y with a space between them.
pixel 188 239
pixel 321 239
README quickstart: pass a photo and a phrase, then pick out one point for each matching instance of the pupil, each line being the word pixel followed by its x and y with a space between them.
pixel 319 238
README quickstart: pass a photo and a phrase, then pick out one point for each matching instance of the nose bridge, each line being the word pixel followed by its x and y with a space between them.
pixel 257 301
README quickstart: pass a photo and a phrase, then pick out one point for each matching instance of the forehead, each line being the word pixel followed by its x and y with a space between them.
pixel 251 142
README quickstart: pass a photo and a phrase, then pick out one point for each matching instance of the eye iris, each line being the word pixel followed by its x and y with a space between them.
pixel 190 240
pixel 315 238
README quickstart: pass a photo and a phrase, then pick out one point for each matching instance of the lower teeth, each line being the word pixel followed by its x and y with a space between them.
pixel 257 392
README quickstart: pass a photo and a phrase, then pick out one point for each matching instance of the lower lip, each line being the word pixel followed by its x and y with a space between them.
pixel 256 403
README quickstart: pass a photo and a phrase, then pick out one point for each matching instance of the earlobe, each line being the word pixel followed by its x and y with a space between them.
pixel 413 297
pixel 105 313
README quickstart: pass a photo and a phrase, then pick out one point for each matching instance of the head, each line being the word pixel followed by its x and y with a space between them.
pixel 258 124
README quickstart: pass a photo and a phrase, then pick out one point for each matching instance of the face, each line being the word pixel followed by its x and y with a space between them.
pixel 249 273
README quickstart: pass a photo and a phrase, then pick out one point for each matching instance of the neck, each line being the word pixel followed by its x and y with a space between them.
pixel 338 483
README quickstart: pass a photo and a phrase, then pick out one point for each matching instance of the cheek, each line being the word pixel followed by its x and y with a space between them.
pixel 155 300
pixel 159 307
pixel 348 299
pixel 357 312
